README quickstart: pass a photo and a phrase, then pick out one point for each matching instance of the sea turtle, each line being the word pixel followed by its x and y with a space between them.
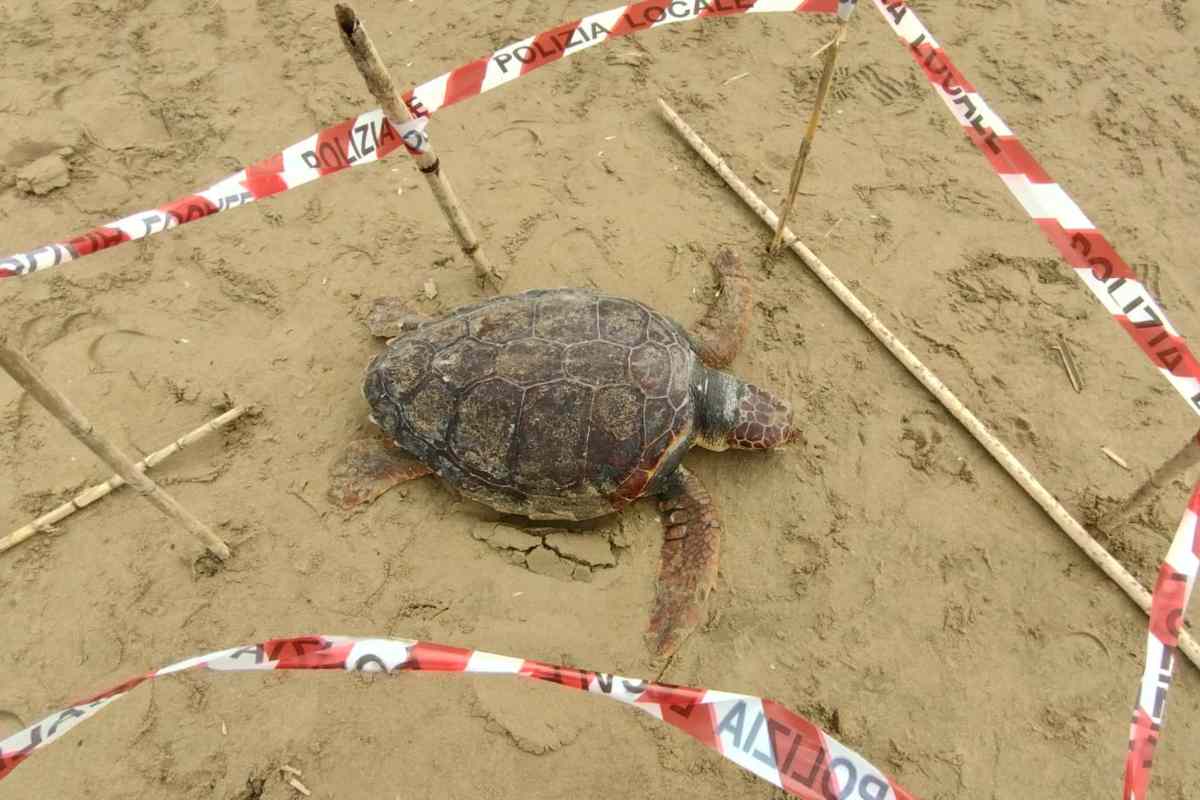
pixel 569 404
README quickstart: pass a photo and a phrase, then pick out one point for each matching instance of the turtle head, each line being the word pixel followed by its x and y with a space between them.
pixel 740 415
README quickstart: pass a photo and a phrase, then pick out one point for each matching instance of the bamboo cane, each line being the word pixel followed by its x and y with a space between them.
pixel 1110 566
pixel 91 495
pixel 24 373
pixel 831 54
pixel 380 84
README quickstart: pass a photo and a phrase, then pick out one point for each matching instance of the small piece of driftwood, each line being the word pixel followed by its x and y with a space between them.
pixel 24 373
pixel 380 84
pixel 1003 456
pixel 84 499
pixel 1116 459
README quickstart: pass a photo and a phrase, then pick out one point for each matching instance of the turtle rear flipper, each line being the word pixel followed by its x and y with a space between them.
pixel 389 317
pixel 687 568
pixel 718 336
pixel 367 468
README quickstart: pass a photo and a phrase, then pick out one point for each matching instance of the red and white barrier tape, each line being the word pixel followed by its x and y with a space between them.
pixel 1176 579
pixel 1094 260
pixel 520 58
pixel 1124 296
pixel 352 143
pixel 758 735
pixel 368 137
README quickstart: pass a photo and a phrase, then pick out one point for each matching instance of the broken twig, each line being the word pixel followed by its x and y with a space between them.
pixel 380 84
pixel 86 498
pixel 1068 361
pixel 831 53
pixel 23 372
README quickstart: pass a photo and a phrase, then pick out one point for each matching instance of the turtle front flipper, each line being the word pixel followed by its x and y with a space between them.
pixel 719 335
pixel 389 317
pixel 367 468
pixel 687 568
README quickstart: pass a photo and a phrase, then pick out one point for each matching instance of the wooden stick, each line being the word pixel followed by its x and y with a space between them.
pixel 1187 457
pixel 994 446
pixel 831 54
pixel 1068 366
pixel 380 84
pixel 86 498
pixel 1068 359
pixel 23 372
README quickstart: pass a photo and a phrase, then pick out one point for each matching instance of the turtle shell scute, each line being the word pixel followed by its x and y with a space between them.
pixel 442 332
pixel 404 365
pixel 430 409
pixel 622 322
pixel 659 418
pixel 661 331
pixel 597 363
pixel 618 411
pixel 530 361
pixel 551 438
pixel 465 362
pixel 568 317
pixel 484 425
pixel 681 375
pixel 650 369
pixel 503 321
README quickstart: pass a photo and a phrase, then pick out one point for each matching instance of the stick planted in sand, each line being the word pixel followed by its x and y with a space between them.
pixel 1187 457
pixel 380 84
pixel 23 372
pixel 994 446
pixel 831 54
pixel 86 498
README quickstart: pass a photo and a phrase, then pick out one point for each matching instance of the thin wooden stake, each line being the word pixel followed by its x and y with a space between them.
pixel 831 53
pixel 1187 457
pixel 86 498
pixel 1003 456
pixel 380 84
pixel 23 372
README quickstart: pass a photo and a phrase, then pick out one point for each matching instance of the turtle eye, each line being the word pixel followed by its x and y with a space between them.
pixel 764 422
